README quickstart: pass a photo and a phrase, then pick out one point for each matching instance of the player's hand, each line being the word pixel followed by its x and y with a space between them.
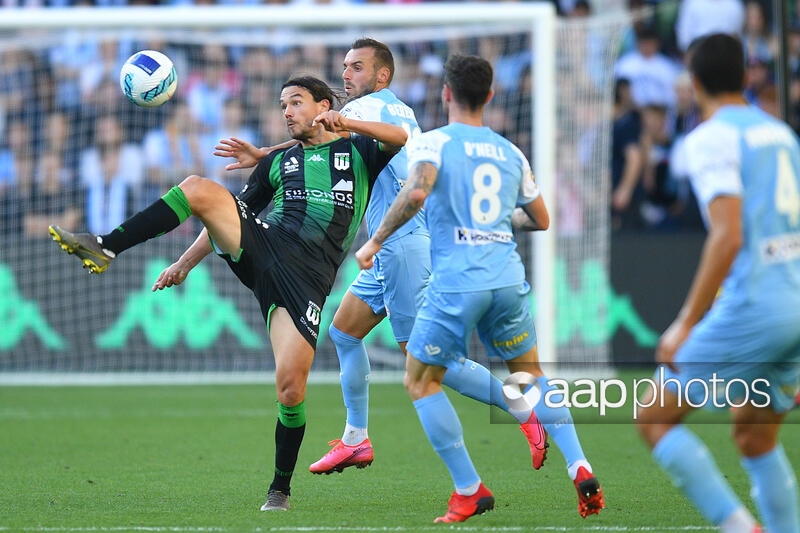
pixel 332 120
pixel 621 198
pixel 246 154
pixel 174 274
pixel 670 341
pixel 366 254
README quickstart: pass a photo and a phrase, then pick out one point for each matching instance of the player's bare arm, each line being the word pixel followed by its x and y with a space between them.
pixel 246 153
pixel 409 201
pixel 391 137
pixel 531 217
pixel 721 246
pixel 176 273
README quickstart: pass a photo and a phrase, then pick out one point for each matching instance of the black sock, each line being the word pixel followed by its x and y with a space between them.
pixel 160 217
pixel 287 446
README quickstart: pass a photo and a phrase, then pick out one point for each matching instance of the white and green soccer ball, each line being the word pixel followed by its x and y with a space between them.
pixel 148 78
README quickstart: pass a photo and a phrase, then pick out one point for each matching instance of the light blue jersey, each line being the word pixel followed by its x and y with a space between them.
pixel 745 152
pixel 384 106
pixel 482 177
pixel 751 334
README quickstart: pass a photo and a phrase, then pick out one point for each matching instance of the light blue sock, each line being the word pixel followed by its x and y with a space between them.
pixel 559 425
pixel 774 490
pixel 443 428
pixel 474 380
pixel 354 368
pixel 688 462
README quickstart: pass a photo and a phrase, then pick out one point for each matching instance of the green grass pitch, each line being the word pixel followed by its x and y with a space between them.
pixel 198 458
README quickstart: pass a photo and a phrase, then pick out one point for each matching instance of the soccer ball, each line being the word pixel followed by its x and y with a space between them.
pixel 148 78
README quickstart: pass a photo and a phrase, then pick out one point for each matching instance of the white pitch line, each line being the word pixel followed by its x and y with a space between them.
pixel 313 529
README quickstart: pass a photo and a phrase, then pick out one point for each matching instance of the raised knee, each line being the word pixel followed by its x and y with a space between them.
pixel 199 192
pixel 191 183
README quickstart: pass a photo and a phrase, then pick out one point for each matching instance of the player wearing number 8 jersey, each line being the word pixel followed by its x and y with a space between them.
pixel 473 183
pixel 744 166
pixel 393 286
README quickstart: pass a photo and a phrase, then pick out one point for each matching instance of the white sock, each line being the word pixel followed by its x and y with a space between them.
pixel 573 468
pixel 741 521
pixel 353 435
pixel 469 491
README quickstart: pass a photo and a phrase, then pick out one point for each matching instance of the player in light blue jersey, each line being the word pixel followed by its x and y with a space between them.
pixel 736 340
pixel 473 182
pixel 394 286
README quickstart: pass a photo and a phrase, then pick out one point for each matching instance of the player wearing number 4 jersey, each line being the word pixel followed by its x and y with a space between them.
pixel 744 166
pixel 473 182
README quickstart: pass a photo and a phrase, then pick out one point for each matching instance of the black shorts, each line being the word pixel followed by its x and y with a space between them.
pixel 275 267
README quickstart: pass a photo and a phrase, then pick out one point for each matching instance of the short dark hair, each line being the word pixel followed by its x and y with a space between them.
pixel 717 63
pixel 383 55
pixel 319 89
pixel 620 85
pixel 469 78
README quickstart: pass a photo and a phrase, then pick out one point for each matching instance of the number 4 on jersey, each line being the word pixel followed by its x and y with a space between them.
pixel 787 194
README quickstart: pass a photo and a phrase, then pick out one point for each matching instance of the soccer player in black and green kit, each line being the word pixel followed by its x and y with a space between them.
pixel 319 190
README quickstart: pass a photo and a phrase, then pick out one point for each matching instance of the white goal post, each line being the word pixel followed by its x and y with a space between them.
pixel 416 27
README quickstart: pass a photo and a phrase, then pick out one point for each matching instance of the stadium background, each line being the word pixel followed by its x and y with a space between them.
pixel 614 291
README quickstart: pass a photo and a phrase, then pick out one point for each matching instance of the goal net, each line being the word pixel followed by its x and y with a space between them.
pixel 75 152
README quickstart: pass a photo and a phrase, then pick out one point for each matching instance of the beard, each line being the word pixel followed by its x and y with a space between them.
pixel 368 88
pixel 302 132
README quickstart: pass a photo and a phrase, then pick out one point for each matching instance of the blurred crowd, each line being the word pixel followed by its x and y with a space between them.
pixel 653 101
pixel 75 153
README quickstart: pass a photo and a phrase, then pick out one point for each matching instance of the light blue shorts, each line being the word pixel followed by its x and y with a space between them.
pixel 446 321
pixel 753 357
pixel 395 284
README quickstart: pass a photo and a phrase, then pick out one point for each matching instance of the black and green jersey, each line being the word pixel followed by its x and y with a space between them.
pixel 319 193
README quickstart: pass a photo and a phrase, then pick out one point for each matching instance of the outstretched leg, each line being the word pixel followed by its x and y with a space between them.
pixel 558 423
pixel 473 380
pixel 204 198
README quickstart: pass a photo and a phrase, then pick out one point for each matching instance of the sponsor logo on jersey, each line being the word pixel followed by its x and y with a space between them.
pixel 341 161
pixel 780 248
pixel 477 237
pixel 510 343
pixel 343 185
pixel 291 165
pixel 339 198
pixel 316 158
